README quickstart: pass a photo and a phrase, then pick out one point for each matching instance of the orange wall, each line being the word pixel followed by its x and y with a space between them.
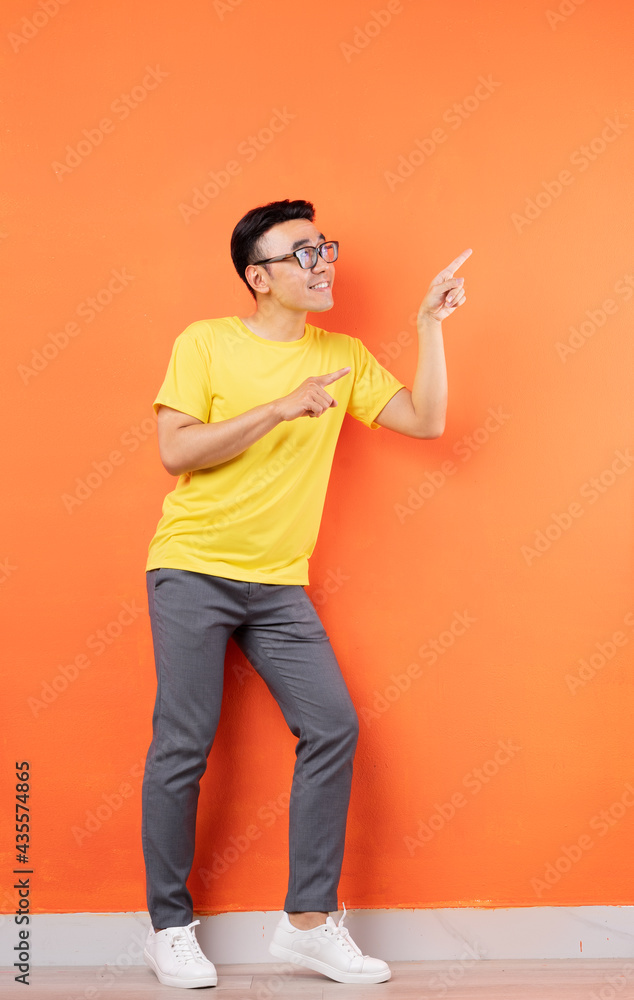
pixel 513 536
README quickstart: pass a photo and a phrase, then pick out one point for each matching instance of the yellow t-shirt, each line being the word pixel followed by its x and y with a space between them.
pixel 256 517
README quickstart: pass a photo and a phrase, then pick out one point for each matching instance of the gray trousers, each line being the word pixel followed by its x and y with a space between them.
pixel 278 630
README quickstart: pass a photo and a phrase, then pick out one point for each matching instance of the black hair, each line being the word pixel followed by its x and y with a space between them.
pixel 247 235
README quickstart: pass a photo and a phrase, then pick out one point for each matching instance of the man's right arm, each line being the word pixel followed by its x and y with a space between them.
pixel 186 444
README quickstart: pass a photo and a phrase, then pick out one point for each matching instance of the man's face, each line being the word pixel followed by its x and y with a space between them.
pixel 285 281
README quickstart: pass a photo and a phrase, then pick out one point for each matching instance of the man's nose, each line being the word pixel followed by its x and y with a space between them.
pixel 321 265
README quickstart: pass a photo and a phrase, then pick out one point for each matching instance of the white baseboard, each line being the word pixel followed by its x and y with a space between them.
pixel 537 932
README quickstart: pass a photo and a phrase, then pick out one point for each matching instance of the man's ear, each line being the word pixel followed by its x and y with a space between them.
pixel 257 280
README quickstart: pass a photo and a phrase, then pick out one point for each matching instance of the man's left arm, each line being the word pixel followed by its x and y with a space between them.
pixel 421 412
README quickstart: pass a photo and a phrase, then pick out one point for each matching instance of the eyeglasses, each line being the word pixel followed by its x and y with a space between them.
pixel 307 256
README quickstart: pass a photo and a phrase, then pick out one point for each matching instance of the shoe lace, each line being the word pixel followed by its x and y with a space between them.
pixel 185 945
pixel 342 935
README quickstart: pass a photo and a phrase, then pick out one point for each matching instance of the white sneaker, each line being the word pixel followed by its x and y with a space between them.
pixel 328 949
pixel 175 956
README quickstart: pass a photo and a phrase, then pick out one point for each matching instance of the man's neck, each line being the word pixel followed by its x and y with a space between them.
pixel 276 324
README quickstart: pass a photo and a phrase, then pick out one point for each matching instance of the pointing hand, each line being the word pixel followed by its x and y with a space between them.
pixel 445 293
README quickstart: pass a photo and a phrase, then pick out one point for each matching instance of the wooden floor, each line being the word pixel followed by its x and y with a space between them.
pixel 519 979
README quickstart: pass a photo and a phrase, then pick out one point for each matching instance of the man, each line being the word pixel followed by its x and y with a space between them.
pixel 248 418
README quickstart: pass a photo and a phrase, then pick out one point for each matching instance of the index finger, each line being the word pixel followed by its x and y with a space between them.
pixel 333 376
pixel 450 270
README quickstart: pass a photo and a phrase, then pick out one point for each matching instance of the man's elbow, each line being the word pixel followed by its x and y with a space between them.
pixel 431 424
pixel 428 433
pixel 172 469
pixel 170 461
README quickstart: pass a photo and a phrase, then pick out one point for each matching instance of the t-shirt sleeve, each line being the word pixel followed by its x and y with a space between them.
pixel 187 384
pixel 373 386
